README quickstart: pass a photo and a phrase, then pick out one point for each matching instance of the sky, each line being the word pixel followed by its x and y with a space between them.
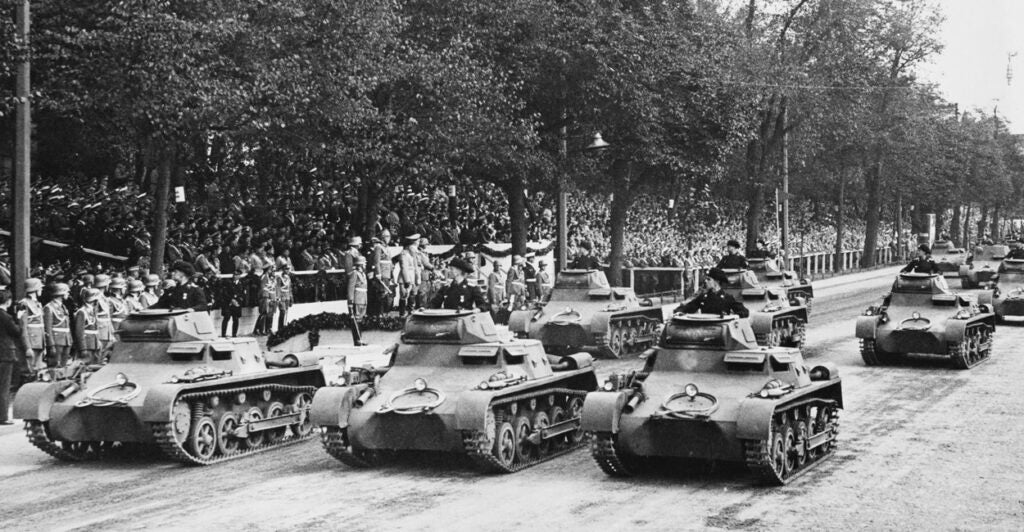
pixel 971 69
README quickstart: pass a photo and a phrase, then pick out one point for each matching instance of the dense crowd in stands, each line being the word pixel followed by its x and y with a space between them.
pixel 308 222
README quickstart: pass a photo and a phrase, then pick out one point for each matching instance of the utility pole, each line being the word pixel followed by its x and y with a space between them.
pixel 22 181
pixel 785 179
pixel 563 222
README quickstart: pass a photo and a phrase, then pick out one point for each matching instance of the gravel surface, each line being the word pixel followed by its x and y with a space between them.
pixel 922 447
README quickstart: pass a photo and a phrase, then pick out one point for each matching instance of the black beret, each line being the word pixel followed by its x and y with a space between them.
pixel 461 264
pixel 733 244
pixel 718 275
pixel 184 267
pixel 925 248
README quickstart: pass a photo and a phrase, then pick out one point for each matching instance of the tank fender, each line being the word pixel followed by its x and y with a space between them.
pixel 761 322
pixel 954 331
pixel 866 326
pixel 755 419
pixel 824 371
pixel 602 411
pixel 471 410
pixel 332 405
pixel 519 320
pixel 599 322
pixel 34 400
pixel 985 298
pixel 579 360
pixel 965 270
pixel 159 402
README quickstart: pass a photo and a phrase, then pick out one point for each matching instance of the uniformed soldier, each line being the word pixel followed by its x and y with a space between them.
pixel 922 263
pixel 134 299
pixel 460 293
pixel 357 289
pixel 544 282
pixel 530 272
pixel 149 297
pixel 408 274
pixel 761 251
pixel 57 327
pixel 496 285
pixel 183 293
pixel 86 330
pixel 733 259
pixel 713 300
pixel 476 276
pixel 426 289
pixel 285 296
pixel 116 300
pixel 348 259
pixel 30 317
pixel 380 275
pixel 233 293
pixel 267 304
pixel 516 284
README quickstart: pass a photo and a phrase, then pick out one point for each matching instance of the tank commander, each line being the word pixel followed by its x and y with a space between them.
pixel 460 293
pixel 184 293
pixel 922 263
pixel 1016 253
pixel 761 251
pixel 585 261
pixel 713 300
pixel 733 259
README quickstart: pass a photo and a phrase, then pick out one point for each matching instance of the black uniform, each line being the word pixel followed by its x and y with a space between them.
pixel 761 254
pixel 919 265
pixel 461 295
pixel 713 303
pixel 585 262
pixel 1016 254
pixel 732 262
pixel 185 296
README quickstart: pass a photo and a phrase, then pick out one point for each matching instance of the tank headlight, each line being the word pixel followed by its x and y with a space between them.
pixel 764 393
pixel 419 385
pixel 121 379
pixel 963 314
pixel 484 385
pixel 916 315
pixel 608 385
pixel 869 312
pixel 691 390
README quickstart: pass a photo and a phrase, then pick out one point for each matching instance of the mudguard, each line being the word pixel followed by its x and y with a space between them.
pixel 34 400
pixel 599 323
pixel 954 330
pixel 581 360
pixel 755 418
pixel 828 370
pixel 159 402
pixel 472 409
pixel 761 322
pixel 331 405
pixel 602 410
pixel 867 326
pixel 985 298
pixel 519 320
pixel 965 270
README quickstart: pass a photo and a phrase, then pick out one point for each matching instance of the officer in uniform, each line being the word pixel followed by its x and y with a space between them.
pixel 496 282
pixel 460 293
pixel 57 328
pixel 267 302
pixel 232 297
pixel 409 274
pixel 544 281
pixel 380 270
pixel 30 316
pixel 357 286
pixel 116 301
pixel 733 259
pixel 149 297
pixel 104 320
pixel 285 296
pixel 516 284
pixel 530 272
pixel 184 293
pixel 713 300
pixel 348 259
pixel 134 299
pixel 922 263
pixel 12 342
pixel 425 291
pixel 86 330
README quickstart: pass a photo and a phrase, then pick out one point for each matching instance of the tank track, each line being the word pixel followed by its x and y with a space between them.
pixel 335 442
pixel 610 460
pixel 39 435
pixel 873 356
pixel 163 432
pixel 758 452
pixel 604 341
pixel 480 448
pixel 975 348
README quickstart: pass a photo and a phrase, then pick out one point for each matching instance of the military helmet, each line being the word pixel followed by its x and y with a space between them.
pixel 102 281
pixel 33 285
pixel 135 286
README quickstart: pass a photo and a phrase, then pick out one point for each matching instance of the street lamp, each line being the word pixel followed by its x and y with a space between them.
pixel 597 143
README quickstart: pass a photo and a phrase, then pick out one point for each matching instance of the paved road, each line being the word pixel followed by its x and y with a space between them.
pixel 922 447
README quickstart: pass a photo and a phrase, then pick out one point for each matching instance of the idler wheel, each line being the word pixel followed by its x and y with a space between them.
pixel 254 439
pixel 276 409
pixel 778 455
pixel 575 409
pixel 227 443
pixel 615 342
pixel 792 452
pixel 541 422
pixel 203 438
pixel 505 444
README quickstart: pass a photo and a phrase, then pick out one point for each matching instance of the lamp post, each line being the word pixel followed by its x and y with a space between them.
pixel 21 184
pixel 597 143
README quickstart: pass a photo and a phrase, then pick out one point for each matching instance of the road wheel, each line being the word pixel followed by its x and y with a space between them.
pixel 505 444
pixel 276 409
pixel 524 449
pixel 557 415
pixel 575 411
pixel 301 403
pixel 227 443
pixel 203 438
pixel 254 439
pixel 541 422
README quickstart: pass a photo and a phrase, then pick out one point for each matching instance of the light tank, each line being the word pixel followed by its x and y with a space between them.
pixel 1008 297
pixel 798 290
pixel 584 312
pixel 172 382
pixel 920 315
pixel 708 392
pixel 984 265
pixel 948 258
pixel 777 318
pixel 457 385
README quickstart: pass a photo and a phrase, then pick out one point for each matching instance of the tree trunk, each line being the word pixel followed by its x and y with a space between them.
pixel 874 189
pixel 515 190
pixel 994 225
pixel 755 211
pixel 837 264
pixel 158 239
pixel 617 221
pixel 982 223
pixel 359 217
pixel 954 225
pixel 966 230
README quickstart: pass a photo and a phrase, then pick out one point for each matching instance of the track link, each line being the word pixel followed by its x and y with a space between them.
pixel 759 456
pixel 163 432
pixel 39 435
pixel 609 459
pixel 975 348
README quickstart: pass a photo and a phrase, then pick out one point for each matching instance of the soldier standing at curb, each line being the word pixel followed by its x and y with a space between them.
pixel 357 290
pixel 57 328
pixel 30 316
pixel 86 328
